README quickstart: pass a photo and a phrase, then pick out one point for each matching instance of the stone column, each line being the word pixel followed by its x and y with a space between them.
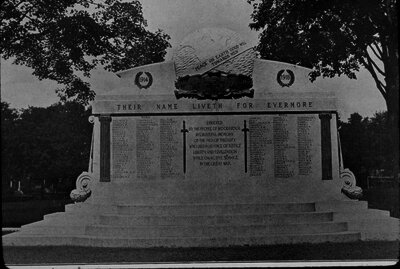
pixel 326 146
pixel 105 148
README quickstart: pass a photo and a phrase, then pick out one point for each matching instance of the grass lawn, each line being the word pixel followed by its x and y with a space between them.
pixel 18 213
pixel 300 252
pixel 384 199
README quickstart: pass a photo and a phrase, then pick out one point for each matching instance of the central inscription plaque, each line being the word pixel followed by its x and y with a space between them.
pixel 270 146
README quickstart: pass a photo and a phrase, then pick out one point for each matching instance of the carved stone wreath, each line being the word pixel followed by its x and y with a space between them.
pixel 214 85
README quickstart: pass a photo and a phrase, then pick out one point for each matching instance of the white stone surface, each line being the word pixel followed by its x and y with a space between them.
pixel 282 102
pixel 207 225
pixel 163 79
pixel 265 79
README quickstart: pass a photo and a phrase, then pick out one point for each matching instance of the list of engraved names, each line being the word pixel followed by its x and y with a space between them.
pixel 280 146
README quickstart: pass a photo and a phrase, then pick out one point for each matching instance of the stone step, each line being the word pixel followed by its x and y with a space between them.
pixel 373 224
pixel 234 219
pixel 207 187
pixel 186 231
pixel 386 228
pixel 214 231
pixel 341 206
pixel 91 241
pixel 363 214
pixel 192 209
pixel 194 198
pixel 68 217
pixel 121 210
pixel 51 229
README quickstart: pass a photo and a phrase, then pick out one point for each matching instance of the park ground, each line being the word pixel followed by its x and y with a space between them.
pixel 359 251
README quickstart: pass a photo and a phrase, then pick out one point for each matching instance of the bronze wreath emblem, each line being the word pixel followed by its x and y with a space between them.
pixel 149 82
pixel 291 75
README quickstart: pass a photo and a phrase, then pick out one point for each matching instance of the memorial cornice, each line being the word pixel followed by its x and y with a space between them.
pixel 244 105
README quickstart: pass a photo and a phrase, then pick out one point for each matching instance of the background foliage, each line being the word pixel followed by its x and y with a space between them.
pixel 366 146
pixel 64 40
pixel 336 37
pixel 50 144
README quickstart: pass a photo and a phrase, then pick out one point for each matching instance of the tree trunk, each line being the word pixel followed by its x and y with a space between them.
pixel 392 102
pixel 393 121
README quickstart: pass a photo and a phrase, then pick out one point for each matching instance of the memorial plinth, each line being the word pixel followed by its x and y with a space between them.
pixel 214 149
pixel 277 148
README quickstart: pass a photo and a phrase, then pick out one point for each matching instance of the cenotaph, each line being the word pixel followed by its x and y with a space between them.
pixel 214 148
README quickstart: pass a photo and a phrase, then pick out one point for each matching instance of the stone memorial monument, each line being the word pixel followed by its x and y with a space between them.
pixel 214 148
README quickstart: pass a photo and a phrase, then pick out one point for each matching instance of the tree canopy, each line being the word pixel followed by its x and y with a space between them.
pixel 64 40
pixel 336 37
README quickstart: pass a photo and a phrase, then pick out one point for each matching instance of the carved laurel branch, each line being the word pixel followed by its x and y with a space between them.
pixel 82 191
pixel 214 85
pixel 349 185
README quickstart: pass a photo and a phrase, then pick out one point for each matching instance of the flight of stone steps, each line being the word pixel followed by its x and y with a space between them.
pixel 208 225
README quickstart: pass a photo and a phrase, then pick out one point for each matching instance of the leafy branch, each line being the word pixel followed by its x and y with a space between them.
pixel 64 40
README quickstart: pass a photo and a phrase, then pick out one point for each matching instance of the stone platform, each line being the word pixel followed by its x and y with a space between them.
pixel 207 225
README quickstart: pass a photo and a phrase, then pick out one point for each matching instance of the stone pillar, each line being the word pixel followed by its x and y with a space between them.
pixel 326 146
pixel 105 148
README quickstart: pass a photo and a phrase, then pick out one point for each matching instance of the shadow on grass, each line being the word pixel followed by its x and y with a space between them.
pixel 18 213
pixel 384 199
pixel 299 252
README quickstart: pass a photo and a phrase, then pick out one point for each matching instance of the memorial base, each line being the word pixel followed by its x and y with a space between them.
pixel 207 225
pixel 217 191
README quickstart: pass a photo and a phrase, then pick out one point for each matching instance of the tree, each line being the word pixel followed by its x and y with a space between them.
pixel 45 143
pixel 9 118
pixel 354 147
pixel 333 38
pixel 54 142
pixel 379 141
pixel 366 145
pixel 65 39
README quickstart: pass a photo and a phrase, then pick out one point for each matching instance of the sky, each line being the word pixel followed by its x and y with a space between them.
pixel 178 18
